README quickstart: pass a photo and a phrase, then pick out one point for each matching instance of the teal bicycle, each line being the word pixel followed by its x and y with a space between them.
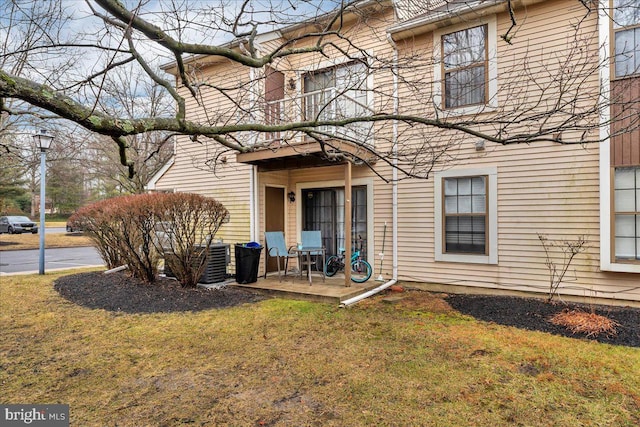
pixel 360 269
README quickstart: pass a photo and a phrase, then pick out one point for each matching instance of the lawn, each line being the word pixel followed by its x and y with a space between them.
pixel 284 362
pixel 12 242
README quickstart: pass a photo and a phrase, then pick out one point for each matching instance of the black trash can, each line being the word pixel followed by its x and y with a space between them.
pixel 247 262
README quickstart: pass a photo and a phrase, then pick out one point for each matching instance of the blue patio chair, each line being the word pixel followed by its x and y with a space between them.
pixel 276 247
pixel 313 239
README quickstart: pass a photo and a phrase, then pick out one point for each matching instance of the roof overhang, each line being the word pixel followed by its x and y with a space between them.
pixel 451 14
pixel 286 32
pixel 303 155
pixel 151 185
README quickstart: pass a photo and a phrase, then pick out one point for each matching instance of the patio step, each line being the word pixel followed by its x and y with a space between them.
pixel 332 290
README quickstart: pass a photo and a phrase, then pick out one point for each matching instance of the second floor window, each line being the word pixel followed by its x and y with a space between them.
pixel 464 62
pixel 626 26
pixel 335 93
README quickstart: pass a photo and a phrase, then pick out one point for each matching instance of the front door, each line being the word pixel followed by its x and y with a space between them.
pixel 323 209
pixel 273 217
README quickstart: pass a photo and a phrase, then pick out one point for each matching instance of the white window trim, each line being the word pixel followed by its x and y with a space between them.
pixel 492 193
pixel 492 53
pixel 607 214
pixel 606 200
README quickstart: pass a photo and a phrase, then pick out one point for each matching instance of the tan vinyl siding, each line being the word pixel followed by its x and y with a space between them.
pixel 543 188
pixel 551 198
pixel 229 182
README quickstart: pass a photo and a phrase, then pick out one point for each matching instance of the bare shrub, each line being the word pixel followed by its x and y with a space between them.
pixel 188 224
pixel 558 269
pixel 126 229
pixel 137 219
pixel 98 221
pixel 122 230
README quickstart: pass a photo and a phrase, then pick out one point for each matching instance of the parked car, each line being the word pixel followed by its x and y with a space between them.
pixel 17 225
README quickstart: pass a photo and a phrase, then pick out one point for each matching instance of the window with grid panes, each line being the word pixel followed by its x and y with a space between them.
pixel 465 215
pixel 626 27
pixel 626 195
pixel 464 61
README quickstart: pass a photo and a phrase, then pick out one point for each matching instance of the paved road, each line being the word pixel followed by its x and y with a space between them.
pixel 55 259
pixel 54 230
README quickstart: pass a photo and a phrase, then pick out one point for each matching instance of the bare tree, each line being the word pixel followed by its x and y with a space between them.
pixel 547 96
pixel 130 95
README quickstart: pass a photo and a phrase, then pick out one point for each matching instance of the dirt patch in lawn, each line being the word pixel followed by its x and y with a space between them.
pixel 120 292
pixel 536 314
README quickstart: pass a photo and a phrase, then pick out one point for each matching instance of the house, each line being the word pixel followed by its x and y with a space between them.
pixel 467 216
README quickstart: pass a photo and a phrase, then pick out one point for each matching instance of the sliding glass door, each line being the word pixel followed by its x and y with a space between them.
pixel 323 209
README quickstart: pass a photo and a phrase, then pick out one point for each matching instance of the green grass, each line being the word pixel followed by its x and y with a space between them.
pixel 283 362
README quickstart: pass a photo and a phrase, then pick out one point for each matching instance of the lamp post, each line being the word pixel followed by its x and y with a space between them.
pixel 43 141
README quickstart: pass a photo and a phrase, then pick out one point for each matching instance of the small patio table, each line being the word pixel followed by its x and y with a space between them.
pixel 307 253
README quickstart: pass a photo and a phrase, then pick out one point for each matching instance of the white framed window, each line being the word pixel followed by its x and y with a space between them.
pixel 466 69
pixel 626 207
pixel 339 92
pixel 466 216
pixel 626 28
pixel 613 258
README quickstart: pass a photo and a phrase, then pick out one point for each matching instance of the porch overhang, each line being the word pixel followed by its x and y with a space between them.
pixel 302 155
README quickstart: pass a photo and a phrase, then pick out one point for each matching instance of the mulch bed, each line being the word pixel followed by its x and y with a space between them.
pixel 122 293
pixel 534 314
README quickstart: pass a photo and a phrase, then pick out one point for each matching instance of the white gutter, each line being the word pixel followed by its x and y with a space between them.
pixel 253 177
pixel 394 191
pixel 453 14
pixel 604 152
pixel 394 172
pixel 253 200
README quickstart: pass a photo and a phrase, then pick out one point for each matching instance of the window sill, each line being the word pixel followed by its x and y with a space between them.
pixel 467 110
pixel 467 259
pixel 627 77
pixel 619 267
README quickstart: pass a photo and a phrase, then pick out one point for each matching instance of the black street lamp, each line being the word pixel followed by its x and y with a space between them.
pixel 42 141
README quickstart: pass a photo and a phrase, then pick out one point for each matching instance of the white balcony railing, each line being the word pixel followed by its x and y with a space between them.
pixel 322 105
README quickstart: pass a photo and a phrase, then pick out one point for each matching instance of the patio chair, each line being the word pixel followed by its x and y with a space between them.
pixel 313 239
pixel 276 247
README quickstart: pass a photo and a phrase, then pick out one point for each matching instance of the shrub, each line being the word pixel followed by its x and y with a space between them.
pixel 100 223
pixel 137 230
pixel 188 223
pixel 558 269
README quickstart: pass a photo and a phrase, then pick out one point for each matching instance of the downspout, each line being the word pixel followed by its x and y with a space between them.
pixel 604 146
pixel 394 189
pixel 253 179
pixel 253 201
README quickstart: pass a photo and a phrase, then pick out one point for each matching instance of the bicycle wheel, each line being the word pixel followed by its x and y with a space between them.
pixel 332 266
pixel 360 271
